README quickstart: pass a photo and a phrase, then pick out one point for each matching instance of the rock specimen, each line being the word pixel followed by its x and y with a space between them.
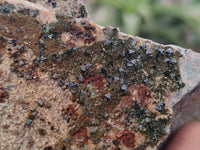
pixel 67 83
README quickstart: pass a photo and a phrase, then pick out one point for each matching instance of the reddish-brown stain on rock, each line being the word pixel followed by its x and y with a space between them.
pixel 140 92
pixel 126 100
pixel 80 136
pixel 137 92
pixel 128 139
pixel 96 81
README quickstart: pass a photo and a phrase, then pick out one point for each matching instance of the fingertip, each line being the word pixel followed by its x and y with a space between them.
pixel 186 138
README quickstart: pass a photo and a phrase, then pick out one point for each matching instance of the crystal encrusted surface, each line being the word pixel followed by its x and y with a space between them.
pixel 70 84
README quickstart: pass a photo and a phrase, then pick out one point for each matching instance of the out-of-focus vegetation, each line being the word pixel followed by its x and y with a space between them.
pixel 165 21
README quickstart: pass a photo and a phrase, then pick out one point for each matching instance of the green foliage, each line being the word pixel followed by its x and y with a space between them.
pixel 127 5
pixel 174 24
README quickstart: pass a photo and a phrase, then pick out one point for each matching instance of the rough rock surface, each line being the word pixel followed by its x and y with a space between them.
pixel 67 83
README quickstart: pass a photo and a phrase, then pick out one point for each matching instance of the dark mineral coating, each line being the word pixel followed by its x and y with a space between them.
pixel 101 75
pixel 105 60
pixel 3 95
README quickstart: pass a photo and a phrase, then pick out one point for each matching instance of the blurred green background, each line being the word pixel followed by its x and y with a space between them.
pixel 164 21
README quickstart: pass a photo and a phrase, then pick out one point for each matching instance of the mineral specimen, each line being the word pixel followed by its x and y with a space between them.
pixel 76 85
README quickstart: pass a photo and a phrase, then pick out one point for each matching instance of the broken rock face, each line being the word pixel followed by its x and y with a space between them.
pixel 67 83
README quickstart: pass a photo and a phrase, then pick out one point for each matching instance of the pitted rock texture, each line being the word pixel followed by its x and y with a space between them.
pixel 67 83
